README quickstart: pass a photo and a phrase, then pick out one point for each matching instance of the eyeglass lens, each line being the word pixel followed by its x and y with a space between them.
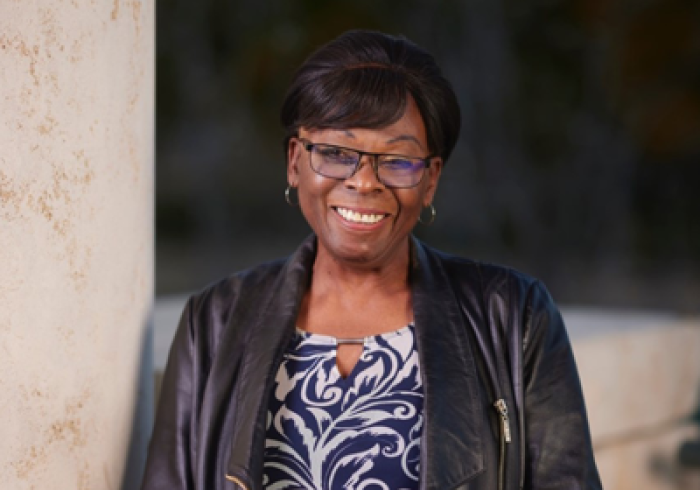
pixel 342 163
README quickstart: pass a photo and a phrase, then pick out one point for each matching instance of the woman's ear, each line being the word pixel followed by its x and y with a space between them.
pixel 433 176
pixel 293 159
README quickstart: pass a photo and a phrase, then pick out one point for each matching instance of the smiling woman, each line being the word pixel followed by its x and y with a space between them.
pixel 343 212
pixel 367 359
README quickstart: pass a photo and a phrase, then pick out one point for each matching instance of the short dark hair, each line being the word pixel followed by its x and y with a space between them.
pixel 361 79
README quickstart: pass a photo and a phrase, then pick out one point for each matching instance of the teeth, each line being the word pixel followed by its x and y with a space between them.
pixel 359 218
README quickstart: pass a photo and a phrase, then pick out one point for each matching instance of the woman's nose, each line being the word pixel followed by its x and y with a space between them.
pixel 365 177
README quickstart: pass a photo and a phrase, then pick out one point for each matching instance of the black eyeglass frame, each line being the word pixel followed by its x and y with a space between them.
pixel 374 161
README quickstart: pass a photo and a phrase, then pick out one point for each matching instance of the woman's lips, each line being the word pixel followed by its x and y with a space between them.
pixel 360 217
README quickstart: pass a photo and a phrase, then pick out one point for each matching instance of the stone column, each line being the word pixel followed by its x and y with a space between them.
pixel 76 242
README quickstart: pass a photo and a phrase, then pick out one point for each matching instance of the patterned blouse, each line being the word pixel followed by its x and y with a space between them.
pixel 326 432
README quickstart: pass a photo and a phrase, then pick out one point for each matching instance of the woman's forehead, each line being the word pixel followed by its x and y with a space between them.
pixel 409 129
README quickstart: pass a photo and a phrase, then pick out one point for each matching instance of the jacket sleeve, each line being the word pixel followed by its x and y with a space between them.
pixel 171 451
pixel 559 453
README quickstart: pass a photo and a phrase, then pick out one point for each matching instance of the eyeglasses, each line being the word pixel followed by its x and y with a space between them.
pixel 337 162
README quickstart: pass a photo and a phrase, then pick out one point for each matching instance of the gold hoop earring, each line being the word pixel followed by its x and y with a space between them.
pixel 432 215
pixel 288 198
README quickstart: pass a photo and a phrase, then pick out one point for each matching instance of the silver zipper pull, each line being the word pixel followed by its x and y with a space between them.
pixel 502 409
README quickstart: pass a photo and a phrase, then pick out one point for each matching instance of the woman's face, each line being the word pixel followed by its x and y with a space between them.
pixel 332 207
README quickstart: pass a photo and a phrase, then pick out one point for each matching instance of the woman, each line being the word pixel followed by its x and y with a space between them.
pixel 367 359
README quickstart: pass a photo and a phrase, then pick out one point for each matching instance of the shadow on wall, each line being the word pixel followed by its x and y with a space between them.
pixel 142 415
pixel 681 471
pixel 687 475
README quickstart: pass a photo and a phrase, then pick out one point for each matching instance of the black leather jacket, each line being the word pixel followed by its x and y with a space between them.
pixel 484 333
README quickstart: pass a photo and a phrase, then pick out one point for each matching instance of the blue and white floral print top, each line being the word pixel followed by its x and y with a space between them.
pixel 326 432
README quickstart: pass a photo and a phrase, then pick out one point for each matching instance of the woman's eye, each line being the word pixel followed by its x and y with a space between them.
pixel 398 164
pixel 337 155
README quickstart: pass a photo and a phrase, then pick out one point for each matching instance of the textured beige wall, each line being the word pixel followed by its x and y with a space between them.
pixel 76 239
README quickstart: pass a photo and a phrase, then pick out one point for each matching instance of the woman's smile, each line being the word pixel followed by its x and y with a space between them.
pixel 365 218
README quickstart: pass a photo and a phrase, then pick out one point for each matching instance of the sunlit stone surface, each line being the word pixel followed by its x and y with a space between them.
pixel 76 241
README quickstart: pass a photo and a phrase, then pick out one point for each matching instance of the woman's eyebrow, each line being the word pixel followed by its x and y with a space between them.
pixel 406 137
pixel 403 137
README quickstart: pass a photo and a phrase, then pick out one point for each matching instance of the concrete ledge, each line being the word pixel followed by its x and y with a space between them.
pixel 635 377
pixel 641 378
pixel 648 461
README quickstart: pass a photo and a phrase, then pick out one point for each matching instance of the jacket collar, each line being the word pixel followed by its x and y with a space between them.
pixel 452 450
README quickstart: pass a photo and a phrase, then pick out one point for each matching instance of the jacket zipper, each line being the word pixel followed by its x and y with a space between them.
pixel 502 410
pixel 237 481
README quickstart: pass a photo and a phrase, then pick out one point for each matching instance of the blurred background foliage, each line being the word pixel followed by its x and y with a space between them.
pixel 579 159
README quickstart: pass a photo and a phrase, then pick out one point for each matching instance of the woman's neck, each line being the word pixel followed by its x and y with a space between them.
pixel 348 301
pixel 330 273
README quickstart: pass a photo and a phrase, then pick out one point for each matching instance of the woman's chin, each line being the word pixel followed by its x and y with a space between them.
pixel 363 254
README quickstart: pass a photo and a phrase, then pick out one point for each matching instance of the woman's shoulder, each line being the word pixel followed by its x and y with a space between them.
pixel 247 294
pixel 208 313
pixel 503 293
pixel 503 290
pixel 490 277
pixel 262 277
pixel 229 289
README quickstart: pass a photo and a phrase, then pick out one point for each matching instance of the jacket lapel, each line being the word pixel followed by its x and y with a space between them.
pixel 452 449
pixel 268 329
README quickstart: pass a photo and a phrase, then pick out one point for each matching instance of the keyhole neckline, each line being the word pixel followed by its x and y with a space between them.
pixel 332 340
